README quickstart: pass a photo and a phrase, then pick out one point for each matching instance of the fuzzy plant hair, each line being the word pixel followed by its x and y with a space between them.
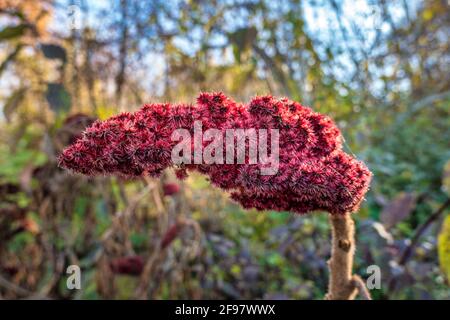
pixel 314 172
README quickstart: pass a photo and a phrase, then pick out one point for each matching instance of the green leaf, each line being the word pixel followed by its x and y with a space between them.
pixel 13 164
pixel 235 269
pixel 126 285
pixel 236 53
pixel 242 40
pixel 138 240
pixel 20 241
pixel 53 51
pixel 13 102
pixel 103 219
pixel 58 98
pixel 12 32
pixel 444 247
pixel 398 209
pixel 10 58
pixel 446 178
pixel 274 259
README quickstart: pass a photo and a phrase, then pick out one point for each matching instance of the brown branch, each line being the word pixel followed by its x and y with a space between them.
pixel 407 252
pixel 362 289
pixel 277 72
pixel 4 283
pixel 123 54
pixel 10 58
pixel 343 285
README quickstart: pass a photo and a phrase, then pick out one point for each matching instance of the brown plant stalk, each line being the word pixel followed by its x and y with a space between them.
pixel 343 285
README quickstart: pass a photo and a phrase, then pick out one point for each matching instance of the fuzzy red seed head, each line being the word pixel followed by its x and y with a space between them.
pixel 131 265
pixel 170 189
pixel 314 172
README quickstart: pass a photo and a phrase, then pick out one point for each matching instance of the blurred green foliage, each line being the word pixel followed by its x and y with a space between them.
pixel 383 76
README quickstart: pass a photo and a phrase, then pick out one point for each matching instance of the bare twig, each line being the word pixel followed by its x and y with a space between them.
pixel 19 290
pixel 407 252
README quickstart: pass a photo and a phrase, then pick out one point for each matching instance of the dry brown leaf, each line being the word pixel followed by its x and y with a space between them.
pixel 398 209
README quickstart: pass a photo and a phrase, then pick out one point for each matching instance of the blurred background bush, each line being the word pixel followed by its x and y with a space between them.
pixel 380 68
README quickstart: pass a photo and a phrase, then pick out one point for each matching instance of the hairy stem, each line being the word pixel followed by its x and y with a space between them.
pixel 343 285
